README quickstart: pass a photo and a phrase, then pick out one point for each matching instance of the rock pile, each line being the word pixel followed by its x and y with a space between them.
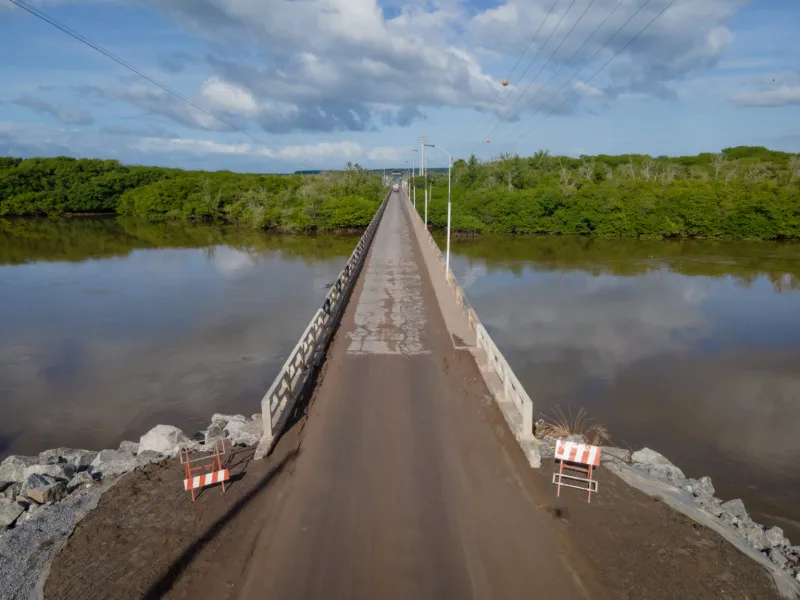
pixel 30 484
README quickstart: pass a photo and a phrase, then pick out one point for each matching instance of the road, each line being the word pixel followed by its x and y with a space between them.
pixel 407 484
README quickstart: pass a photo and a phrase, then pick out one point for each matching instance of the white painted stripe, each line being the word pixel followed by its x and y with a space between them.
pixel 593 455
pixel 585 454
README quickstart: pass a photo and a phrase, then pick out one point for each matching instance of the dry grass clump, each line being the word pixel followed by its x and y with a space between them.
pixel 563 424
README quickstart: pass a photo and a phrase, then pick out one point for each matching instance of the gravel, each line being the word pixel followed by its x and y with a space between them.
pixel 27 551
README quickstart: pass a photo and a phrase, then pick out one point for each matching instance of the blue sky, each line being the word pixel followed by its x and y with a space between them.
pixel 321 82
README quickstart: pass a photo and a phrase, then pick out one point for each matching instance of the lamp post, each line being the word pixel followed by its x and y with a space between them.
pixel 449 170
pixel 413 176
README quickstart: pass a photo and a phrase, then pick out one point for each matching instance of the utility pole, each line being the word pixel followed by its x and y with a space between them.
pixel 425 176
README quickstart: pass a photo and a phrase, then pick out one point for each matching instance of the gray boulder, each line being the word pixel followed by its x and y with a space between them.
pixel 244 433
pixel 32 511
pixel 11 491
pixel 81 479
pixel 754 535
pixel 61 471
pixel 774 537
pixel 53 456
pixel 704 488
pixel 657 465
pixel 109 463
pixel 777 557
pixel 149 456
pixel 47 493
pixel 734 508
pixel 9 513
pixel 165 439
pixel 609 454
pixel 215 431
pixel 227 418
pixel 80 459
pixel 13 467
pixel 127 446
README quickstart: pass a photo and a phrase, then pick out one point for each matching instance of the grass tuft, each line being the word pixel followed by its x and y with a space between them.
pixel 563 424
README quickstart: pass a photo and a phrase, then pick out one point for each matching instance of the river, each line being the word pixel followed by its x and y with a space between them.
pixel 111 326
pixel 691 348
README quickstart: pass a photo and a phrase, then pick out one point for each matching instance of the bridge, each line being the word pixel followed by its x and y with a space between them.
pixel 414 477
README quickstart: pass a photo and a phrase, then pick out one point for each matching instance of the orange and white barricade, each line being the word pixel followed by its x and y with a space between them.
pixel 217 474
pixel 582 458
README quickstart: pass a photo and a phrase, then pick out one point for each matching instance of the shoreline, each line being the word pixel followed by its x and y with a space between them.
pixel 654 474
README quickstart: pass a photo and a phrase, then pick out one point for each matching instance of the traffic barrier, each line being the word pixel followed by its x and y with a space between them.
pixel 217 475
pixel 582 458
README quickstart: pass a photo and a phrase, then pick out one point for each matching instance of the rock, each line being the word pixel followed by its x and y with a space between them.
pixel 81 479
pixel 658 466
pixel 754 535
pixel 576 438
pixel 109 463
pixel 256 417
pixel 53 456
pixel 80 459
pixel 547 450
pixel 704 488
pixel 711 504
pixel 244 433
pixel 48 493
pixel 227 418
pixel 149 456
pixel 9 513
pixel 539 428
pixel 645 456
pixel 618 455
pixel 797 577
pixel 11 491
pixel 165 439
pixel 215 431
pixel 777 557
pixel 34 510
pixel 62 471
pixel 13 467
pixel 127 446
pixel 729 519
pixel 735 508
pixel 775 537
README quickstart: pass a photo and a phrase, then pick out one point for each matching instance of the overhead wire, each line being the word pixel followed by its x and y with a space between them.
pixel 539 51
pixel 542 68
pixel 600 49
pixel 519 60
pixel 602 67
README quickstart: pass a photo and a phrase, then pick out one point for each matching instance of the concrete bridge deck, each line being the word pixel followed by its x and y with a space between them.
pixel 407 483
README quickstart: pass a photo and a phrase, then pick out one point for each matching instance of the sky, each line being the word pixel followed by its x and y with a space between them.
pixel 300 84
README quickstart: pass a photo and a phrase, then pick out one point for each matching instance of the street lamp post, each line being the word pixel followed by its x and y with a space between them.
pixel 449 179
pixel 413 177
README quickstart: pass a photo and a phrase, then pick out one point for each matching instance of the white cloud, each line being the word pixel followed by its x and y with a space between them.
pixel 196 146
pixel 226 96
pixel 344 150
pixel 779 96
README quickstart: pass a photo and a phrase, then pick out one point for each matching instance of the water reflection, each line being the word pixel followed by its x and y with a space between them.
pixel 110 326
pixel 692 348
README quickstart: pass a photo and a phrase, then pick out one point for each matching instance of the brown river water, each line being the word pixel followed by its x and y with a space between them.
pixel 691 348
pixel 111 326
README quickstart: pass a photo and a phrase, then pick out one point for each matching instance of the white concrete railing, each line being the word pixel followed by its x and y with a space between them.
pixel 512 388
pixel 307 355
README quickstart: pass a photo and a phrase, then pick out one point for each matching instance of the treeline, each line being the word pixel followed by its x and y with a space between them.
pixel 56 186
pixel 742 193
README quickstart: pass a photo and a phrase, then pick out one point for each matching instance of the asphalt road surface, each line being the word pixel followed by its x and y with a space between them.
pixel 406 485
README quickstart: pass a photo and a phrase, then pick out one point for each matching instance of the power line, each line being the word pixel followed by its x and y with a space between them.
pixel 583 83
pixel 591 58
pixel 519 60
pixel 530 64
pixel 552 54
pixel 44 17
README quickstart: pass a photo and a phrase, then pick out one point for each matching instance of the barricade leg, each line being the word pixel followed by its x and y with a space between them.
pixel 590 484
pixel 560 473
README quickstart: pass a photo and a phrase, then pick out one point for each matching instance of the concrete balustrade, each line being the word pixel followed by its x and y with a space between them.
pixel 291 381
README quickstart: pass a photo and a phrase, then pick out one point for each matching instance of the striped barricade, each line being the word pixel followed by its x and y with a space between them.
pixel 582 458
pixel 217 475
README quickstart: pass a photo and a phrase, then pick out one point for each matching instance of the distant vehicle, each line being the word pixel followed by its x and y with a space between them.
pixel 396 187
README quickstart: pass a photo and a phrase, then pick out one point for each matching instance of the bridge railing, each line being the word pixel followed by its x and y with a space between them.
pixel 281 397
pixel 512 388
